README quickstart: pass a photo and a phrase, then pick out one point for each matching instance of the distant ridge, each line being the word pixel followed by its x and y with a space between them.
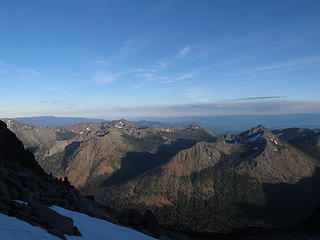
pixel 226 124
pixel 46 121
pixel 235 124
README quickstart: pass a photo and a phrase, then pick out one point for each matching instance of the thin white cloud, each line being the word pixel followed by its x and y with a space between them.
pixel 151 73
pixel 33 72
pixel 288 65
pixel 139 70
pixel 258 98
pixel 100 62
pixel 184 76
pixel 130 47
pixel 55 88
pixel 161 7
pixel 106 77
pixel 163 63
pixel 197 94
pixel 16 72
pixel 184 51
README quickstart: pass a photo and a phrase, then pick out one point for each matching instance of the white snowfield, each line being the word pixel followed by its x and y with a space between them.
pixel 91 229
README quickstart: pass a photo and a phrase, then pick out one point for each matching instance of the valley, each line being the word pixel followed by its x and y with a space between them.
pixel 193 180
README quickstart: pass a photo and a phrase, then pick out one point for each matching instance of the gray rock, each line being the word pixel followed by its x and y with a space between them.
pixel 54 219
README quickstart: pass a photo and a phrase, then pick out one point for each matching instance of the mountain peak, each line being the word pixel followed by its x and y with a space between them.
pixel 258 129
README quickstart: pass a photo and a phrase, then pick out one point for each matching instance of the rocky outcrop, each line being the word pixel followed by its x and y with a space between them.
pixel 22 178
pixel 27 192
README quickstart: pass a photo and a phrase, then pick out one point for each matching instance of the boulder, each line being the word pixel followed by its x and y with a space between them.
pixel 54 219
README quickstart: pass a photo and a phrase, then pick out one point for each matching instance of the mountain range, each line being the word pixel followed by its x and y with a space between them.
pixel 224 124
pixel 193 180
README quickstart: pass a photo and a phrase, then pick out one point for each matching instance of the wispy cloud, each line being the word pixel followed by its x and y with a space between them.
pixel 52 102
pixel 57 101
pixel 161 7
pixel 156 71
pixel 151 73
pixel 100 62
pixel 258 98
pixel 182 52
pixel 126 49
pixel 55 88
pixel 130 47
pixel 106 76
pixel 17 72
pixel 139 70
pixel 288 65
pixel 184 76
pixel 33 72
pixel 197 94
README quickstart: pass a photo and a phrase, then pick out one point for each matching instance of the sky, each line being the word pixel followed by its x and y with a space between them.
pixel 124 58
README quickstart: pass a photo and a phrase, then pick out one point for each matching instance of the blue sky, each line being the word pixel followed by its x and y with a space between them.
pixel 123 58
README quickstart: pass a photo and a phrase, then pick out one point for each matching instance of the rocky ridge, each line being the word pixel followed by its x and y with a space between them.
pixel 235 181
pixel 26 192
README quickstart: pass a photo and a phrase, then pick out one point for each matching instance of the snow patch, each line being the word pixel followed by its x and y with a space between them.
pixel 12 229
pixel 97 229
pixel 247 140
pixel 272 140
pixel 252 139
pixel 91 228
